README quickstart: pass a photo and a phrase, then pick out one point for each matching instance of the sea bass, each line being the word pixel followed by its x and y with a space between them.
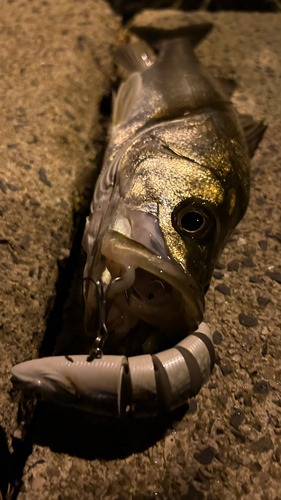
pixel 174 184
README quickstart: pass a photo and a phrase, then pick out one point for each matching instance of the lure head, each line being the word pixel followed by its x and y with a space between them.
pixel 165 227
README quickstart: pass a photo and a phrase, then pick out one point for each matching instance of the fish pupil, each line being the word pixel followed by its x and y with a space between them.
pixel 192 221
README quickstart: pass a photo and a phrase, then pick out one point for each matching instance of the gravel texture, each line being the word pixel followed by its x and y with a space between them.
pixel 228 444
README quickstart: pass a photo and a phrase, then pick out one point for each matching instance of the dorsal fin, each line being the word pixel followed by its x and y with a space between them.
pixel 155 37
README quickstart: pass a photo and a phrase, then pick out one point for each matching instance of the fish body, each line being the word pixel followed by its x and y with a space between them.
pixel 174 184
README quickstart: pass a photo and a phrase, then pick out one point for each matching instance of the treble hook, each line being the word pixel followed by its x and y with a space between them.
pixel 102 288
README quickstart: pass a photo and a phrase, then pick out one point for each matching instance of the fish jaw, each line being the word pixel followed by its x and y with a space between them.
pixel 177 301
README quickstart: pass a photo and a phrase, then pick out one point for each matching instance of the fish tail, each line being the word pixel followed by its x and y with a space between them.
pixel 139 56
pixel 155 37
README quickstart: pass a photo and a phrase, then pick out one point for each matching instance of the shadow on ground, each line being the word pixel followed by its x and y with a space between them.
pixel 5 463
pixel 129 9
pixel 70 431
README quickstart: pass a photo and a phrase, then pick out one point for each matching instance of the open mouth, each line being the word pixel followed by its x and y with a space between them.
pixel 153 304
pixel 145 317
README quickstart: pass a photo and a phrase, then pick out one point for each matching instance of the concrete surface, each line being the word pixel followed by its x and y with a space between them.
pixel 227 445
pixel 56 65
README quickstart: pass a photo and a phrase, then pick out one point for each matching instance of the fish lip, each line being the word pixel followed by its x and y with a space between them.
pixel 124 250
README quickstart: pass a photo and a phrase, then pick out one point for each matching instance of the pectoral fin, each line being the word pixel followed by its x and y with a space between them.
pixel 253 132
pixel 134 57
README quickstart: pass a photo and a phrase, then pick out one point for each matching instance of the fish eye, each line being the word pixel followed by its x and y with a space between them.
pixel 192 220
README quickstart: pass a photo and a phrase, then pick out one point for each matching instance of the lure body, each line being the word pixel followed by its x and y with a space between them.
pixel 117 386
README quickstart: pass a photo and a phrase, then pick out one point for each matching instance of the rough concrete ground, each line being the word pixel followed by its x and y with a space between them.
pixel 227 445
pixel 56 65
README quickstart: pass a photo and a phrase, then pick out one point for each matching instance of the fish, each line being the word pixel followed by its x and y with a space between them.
pixel 174 184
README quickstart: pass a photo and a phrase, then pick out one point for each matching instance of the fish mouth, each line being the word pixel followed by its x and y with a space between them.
pixel 153 304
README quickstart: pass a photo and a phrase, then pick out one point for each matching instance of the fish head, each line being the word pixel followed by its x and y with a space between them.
pixel 163 232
